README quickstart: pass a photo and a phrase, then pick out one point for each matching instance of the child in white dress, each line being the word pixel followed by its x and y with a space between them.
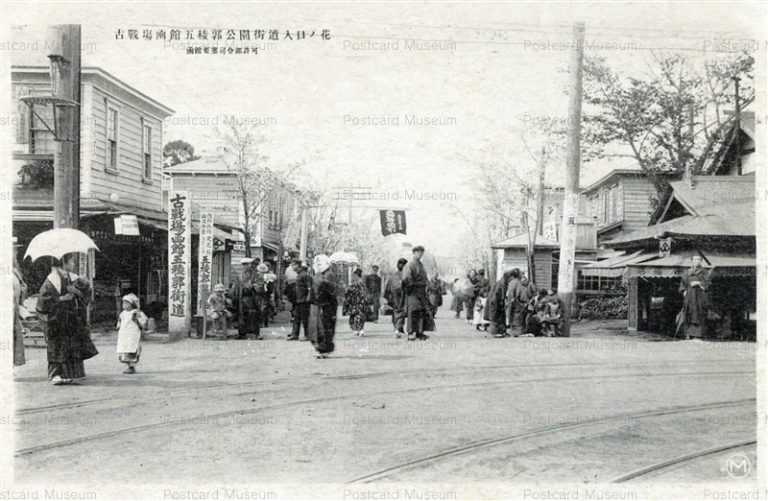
pixel 477 319
pixel 131 323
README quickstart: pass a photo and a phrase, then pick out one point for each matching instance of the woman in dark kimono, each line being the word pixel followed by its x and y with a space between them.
pixel 356 303
pixel 694 286
pixel 322 313
pixel 495 311
pixel 435 293
pixel 62 307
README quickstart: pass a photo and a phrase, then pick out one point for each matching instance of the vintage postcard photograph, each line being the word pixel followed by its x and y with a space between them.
pixel 384 251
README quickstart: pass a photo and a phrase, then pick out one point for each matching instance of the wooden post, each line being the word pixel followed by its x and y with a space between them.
pixel 567 269
pixel 737 126
pixel 64 41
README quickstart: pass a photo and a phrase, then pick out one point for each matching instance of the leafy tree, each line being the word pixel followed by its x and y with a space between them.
pixel 673 120
pixel 177 152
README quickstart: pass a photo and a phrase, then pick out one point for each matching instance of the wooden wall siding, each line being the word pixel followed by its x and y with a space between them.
pixel 127 182
pixel 637 205
pixel 215 193
pixel 516 258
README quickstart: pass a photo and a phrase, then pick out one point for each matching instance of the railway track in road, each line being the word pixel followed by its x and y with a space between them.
pixel 148 427
pixel 657 468
pixel 142 399
pixel 482 445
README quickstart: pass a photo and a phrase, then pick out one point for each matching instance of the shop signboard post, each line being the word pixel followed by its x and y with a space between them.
pixel 179 261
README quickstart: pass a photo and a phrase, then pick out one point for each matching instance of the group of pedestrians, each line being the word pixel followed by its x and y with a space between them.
pixel 510 307
pixel 250 299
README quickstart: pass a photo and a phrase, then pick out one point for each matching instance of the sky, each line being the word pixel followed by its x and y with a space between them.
pixel 404 98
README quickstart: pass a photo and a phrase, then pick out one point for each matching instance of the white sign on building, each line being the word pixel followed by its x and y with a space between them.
pixel 205 257
pixel 179 261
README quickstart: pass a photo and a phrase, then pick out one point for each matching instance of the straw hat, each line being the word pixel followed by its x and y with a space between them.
pixel 262 268
pixel 246 260
pixel 219 288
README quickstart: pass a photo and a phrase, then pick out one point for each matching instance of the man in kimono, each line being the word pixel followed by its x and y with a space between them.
pixel 324 306
pixel 416 302
pixel 302 295
pixel 62 307
pixel 694 285
pixel 393 293
pixel 245 295
pixel 373 286
pixel 495 311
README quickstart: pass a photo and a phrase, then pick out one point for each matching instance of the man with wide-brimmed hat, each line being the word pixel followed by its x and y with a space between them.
pixel 417 308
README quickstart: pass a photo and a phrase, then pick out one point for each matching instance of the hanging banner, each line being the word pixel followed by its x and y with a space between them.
pixel 179 261
pixel 205 256
pixel 392 221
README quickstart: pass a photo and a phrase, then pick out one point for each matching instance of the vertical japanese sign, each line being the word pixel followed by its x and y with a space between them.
pixel 205 257
pixel 179 261
pixel 392 221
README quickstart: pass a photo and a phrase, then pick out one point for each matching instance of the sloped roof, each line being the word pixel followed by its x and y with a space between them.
pixel 205 165
pixel 97 72
pixel 739 222
pixel 713 194
pixel 521 240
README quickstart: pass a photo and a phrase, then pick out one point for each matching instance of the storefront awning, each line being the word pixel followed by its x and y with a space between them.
pixel 675 265
pixel 615 266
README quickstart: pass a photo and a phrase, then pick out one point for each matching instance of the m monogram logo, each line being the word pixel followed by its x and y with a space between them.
pixel 738 466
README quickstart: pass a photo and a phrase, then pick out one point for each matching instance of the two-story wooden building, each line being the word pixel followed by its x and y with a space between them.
pixel 619 202
pixel 214 187
pixel 120 175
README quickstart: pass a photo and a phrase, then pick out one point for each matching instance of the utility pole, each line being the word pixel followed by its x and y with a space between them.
pixel 303 234
pixel 737 128
pixel 540 194
pixel 567 268
pixel 64 41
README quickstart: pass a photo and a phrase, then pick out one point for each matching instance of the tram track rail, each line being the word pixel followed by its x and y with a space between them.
pixel 661 466
pixel 147 427
pixel 483 445
pixel 362 376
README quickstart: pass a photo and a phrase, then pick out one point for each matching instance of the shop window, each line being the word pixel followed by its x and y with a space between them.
pixel 146 150
pixel 113 125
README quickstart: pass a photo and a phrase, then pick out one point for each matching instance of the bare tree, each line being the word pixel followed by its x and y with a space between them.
pixel 243 154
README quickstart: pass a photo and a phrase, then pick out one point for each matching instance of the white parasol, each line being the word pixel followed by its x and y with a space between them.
pixel 341 257
pixel 57 242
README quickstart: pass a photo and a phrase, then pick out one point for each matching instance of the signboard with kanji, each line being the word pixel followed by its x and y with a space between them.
pixel 179 261
pixel 127 224
pixel 665 247
pixel 205 256
pixel 392 221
